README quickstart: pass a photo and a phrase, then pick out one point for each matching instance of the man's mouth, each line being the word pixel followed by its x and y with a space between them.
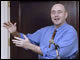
pixel 57 19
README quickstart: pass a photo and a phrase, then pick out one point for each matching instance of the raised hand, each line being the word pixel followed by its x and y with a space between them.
pixel 10 27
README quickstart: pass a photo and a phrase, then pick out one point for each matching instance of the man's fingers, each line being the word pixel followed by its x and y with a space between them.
pixel 5 23
pixel 16 41
pixel 14 24
pixel 18 38
pixel 18 45
pixel 5 26
pixel 10 23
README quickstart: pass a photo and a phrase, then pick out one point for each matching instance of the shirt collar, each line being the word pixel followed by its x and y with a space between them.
pixel 59 28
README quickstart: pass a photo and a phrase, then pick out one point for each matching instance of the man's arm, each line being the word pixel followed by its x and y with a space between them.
pixel 35 49
pixel 13 30
pixel 25 43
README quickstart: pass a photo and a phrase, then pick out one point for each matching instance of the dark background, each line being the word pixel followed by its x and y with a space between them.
pixel 31 16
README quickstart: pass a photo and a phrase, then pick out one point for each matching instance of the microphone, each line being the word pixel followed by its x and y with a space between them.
pixel 52 42
pixel 56 47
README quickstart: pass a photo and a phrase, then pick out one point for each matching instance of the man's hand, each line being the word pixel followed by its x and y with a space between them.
pixel 25 43
pixel 10 27
pixel 21 42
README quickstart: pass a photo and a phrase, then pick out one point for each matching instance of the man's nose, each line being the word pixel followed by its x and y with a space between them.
pixel 56 15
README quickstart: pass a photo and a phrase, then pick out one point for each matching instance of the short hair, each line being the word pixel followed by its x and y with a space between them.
pixel 58 2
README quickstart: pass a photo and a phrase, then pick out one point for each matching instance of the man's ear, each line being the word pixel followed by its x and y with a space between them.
pixel 66 14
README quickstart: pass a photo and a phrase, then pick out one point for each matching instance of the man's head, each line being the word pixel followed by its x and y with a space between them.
pixel 58 14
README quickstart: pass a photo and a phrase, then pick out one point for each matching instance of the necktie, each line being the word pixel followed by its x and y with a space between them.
pixel 52 42
pixel 54 33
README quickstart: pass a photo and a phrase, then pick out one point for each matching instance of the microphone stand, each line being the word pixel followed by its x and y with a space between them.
pixel 56 48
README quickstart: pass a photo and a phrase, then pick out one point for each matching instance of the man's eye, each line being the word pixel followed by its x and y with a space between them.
pixel 53 12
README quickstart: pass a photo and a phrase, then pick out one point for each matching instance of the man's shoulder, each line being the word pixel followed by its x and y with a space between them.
pixel 45 28
pixel 71 28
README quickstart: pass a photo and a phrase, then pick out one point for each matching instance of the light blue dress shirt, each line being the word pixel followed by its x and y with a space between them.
pixel 66 37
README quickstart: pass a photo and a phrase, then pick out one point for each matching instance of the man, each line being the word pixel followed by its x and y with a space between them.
pixel 66 37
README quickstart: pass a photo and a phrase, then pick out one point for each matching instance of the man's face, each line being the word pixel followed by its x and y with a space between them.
pixel 58 14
